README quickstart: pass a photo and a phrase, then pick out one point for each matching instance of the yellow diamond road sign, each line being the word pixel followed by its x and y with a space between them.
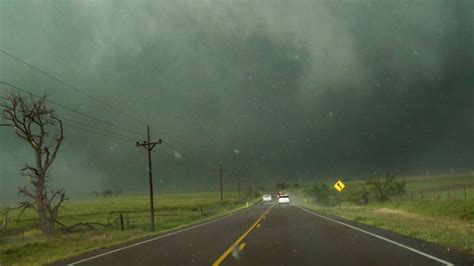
pixel 339 186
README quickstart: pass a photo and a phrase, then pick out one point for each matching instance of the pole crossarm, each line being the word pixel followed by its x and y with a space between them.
pixel 149 145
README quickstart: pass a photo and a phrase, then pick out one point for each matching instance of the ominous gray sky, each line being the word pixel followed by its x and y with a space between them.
pixel 285 89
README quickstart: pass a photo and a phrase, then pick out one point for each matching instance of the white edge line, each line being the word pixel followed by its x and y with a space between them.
pixel 379 237
pixel 155 238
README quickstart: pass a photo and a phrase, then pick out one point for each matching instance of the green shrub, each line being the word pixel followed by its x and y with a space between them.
pixel 400 187
pixel 319 192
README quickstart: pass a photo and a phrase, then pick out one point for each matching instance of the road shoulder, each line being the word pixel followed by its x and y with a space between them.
pixel 453 256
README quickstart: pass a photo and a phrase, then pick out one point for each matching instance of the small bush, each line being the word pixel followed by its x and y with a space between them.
pixel 107 192
pixel 387 186
pixel 400 187
pixel 319 192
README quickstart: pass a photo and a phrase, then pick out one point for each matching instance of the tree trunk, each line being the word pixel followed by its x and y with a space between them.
pixel 5 220
pixel 46 225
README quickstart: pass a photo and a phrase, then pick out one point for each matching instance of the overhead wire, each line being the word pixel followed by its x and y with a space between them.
pixel 93 129
pixel 61 81
pixel 90 128
pixel 69 85
pixel 70 109
pixel 24 62
pixel 97 132
pixel 97 128
pixel 116 135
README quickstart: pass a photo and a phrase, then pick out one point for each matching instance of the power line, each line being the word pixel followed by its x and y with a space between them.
pixel 24 62
pixel 92 129
pixel 74 88
pixel 97 132
pixel 97 128
pixel 103 132
pixel 70 86
pixel 70 109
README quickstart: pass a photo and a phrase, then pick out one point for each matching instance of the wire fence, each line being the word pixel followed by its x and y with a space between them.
pixel 15 228
pixel 455 192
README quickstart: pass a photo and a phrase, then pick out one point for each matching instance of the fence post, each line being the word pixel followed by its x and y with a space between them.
pixel 202 213
pixel 5 218
pixel 121 222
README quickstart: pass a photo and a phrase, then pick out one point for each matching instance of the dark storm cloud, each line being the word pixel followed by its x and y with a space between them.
pixel 298 89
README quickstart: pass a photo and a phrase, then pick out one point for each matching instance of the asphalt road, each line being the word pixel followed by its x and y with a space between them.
pixel 271 234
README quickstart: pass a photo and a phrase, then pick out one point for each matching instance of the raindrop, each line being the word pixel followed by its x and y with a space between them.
pixel 177 155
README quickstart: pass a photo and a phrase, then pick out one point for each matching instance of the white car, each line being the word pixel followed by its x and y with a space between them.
pixel 267 198
pixel 283 199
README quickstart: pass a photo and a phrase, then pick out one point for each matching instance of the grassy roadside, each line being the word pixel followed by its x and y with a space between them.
pixel 23 244
pixel 445 231
pixel 435 218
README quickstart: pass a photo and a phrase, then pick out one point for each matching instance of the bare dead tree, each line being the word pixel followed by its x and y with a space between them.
pixel 37 124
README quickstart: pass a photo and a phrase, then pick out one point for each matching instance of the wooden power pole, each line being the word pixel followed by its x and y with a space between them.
pixel 148 145
pixel 238 184
pixel 220 177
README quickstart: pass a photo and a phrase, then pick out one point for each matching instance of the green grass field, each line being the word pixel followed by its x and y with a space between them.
pixel 23 244
pixel 418 184
pixel 434 209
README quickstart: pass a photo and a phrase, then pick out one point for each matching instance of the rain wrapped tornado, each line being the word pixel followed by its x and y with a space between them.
pixel 287 90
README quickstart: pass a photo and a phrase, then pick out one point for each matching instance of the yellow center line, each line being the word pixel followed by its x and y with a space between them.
pixel 242 246
pixel 258 225
pixel 229 250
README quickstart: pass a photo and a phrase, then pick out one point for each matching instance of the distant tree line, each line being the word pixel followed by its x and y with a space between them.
pixel 107 192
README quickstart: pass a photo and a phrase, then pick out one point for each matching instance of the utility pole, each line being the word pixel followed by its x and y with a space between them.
pixel 220 175
pixel 148 145
pixel 249 185
pixel 238 184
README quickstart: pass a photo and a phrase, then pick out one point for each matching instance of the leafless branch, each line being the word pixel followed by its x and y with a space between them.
pixel 33 121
